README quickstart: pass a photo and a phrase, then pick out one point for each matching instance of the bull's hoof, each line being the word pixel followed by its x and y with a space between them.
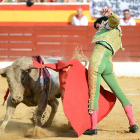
pixel 37 132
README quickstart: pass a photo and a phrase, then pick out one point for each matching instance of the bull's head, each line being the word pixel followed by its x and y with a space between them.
pixel 17 79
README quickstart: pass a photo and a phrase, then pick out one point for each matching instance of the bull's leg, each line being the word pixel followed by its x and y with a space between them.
pixel 38 132
pixel 33 117
pixel 54 105
pixel 41 108
pixel 9 113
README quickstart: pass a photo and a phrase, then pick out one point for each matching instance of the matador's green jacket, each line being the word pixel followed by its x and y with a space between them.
pixel 110 33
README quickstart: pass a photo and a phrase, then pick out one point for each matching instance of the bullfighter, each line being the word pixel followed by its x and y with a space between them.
pixel 108 42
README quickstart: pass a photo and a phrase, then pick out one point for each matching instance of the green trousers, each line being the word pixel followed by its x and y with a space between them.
pixel 101 65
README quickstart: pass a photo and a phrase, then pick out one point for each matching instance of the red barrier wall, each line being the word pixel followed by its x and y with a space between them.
pixel 61 41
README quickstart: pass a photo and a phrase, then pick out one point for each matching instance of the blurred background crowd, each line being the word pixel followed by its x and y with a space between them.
pixel 79 19
pixel 82 20
pixel 66 1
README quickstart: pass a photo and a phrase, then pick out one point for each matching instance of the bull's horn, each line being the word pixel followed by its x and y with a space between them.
pixel 2 71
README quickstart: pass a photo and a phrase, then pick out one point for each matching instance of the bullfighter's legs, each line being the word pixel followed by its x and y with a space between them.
pixel 129 114
pixel 54 105
pixel 96 67
pixel 110 78
pixel 113 84
pixel 9 113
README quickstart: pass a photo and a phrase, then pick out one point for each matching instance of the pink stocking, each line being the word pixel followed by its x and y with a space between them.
pixel 129 113
pixel 94 117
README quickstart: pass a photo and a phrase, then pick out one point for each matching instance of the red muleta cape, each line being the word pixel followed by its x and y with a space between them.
pixel 75 94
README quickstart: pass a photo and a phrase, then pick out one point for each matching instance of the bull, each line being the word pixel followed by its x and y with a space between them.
pixel 25 87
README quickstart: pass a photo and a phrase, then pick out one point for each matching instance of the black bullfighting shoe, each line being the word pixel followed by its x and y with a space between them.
pixel 133 128
pixel 90 132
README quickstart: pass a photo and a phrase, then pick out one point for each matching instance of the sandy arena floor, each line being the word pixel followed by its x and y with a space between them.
pixel 114 126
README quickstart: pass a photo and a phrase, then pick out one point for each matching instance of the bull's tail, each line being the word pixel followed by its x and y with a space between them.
pixel 78 54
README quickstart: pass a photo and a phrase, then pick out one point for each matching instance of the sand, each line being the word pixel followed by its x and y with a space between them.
pixel 114 126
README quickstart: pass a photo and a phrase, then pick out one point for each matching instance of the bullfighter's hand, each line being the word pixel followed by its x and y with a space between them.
pixel 105 12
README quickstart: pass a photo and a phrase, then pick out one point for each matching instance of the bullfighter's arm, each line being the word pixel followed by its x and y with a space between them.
pixel 113 20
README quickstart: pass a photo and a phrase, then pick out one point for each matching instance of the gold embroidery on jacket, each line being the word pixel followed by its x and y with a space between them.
pixel 94 64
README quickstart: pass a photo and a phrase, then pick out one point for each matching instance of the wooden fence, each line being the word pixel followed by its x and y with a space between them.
pixel 61 41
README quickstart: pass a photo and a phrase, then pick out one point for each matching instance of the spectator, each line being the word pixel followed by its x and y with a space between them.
pixel 80 19
pixel 2 0
pixel 29 3
pixel 70 1
pixel 7 1
pixel 51 0
pixel 127 20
